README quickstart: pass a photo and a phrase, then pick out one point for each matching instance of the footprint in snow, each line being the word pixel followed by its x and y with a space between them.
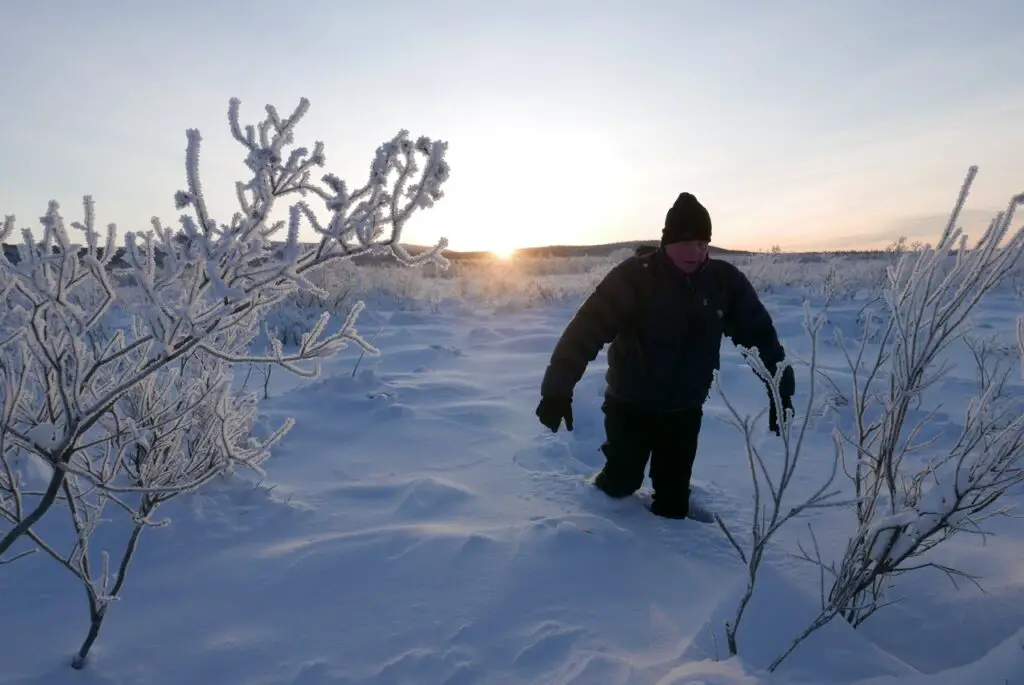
pixel 449 349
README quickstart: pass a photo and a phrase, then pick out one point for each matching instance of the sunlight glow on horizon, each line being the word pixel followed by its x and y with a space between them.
pixel 504 253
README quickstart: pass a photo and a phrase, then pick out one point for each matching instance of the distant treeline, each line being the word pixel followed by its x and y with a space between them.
pixel 549 252
pixel 556 251
pixel 13 255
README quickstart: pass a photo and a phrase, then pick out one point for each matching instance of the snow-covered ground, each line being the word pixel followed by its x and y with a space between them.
pixel 419 526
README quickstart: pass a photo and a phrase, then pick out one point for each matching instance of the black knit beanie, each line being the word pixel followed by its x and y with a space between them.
pixel 686 220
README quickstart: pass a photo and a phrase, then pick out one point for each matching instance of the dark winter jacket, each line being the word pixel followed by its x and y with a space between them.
pixel 665 333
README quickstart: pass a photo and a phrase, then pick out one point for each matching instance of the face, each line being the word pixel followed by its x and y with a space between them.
pixel 688 255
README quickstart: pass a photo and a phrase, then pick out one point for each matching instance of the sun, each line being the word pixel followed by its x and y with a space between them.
pixel 504 253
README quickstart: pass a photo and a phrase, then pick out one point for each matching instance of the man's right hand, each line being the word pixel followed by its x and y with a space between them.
pixel 552 410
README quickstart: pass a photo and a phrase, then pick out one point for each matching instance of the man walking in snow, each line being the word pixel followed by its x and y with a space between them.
pixel 664 313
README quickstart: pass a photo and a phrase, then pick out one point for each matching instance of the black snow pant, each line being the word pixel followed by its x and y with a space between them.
pixel 668 439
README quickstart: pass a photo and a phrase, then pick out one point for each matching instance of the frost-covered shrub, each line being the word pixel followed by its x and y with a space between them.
pixel 122 395
pixel 905 497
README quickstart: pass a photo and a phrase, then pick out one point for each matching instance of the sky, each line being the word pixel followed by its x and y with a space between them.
pixel 802 124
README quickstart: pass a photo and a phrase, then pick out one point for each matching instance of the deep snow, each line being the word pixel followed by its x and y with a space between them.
pixel 419 526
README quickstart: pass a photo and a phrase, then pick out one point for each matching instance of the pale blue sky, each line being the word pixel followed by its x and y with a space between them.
pixel 809 124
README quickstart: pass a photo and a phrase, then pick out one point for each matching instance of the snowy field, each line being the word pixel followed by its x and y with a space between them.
pixel 419 526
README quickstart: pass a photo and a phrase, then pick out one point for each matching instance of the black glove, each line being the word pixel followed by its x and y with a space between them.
pixel 773 415
pixel 552 410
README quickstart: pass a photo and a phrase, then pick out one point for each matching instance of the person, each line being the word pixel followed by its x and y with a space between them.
pixel 663 313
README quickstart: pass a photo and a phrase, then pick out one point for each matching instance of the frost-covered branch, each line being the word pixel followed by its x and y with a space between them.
pixel 952 492
pixel 771 510
pixel 171 434
pixel 1020 343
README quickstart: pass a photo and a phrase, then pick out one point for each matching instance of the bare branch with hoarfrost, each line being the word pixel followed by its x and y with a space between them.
pixel 1020 342
pixel 170 434
pixel 771 510
pixel 952 492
